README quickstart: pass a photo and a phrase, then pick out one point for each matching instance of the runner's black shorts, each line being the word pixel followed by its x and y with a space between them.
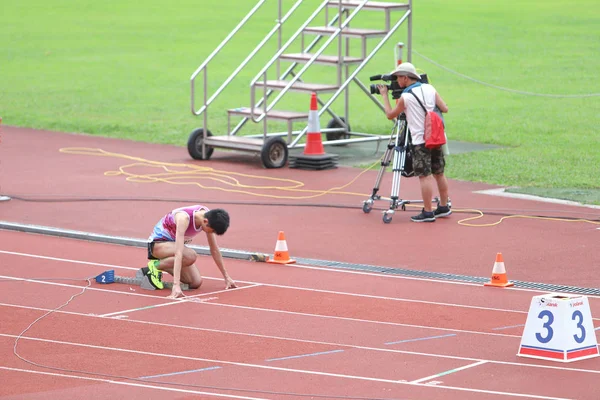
pixel 151 249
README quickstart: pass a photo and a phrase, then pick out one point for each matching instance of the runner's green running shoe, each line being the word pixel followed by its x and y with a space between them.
pixel 154 274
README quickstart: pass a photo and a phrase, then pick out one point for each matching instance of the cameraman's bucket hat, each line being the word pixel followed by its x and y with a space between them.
pixel 406 69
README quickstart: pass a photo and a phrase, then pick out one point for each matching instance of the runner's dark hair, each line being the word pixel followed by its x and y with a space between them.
pixel 218 219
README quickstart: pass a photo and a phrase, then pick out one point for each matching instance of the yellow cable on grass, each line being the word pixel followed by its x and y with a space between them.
pixel 481 215
pixel 462 221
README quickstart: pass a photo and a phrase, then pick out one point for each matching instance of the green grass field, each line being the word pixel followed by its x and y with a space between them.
pixel 514 73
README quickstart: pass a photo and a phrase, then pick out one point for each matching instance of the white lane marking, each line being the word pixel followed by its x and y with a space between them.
pixel 299 371
pixel 146 386
pixel 328 291
pixel 387 350
pixel 451 371
pixel 187 299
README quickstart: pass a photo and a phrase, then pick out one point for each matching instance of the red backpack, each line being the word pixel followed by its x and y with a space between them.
pixel 434 127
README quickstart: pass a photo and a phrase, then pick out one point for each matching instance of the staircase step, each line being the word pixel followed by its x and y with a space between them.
pixel 348 32
pixel 273 114
pixel 304 57
pixel 371 5
pixel 300 86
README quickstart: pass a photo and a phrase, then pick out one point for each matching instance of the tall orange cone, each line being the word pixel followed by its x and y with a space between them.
pixel 314 143
pixel 499 274
pixel 314 156
pixel 281 255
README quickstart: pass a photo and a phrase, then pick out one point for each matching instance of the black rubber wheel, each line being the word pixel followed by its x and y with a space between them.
pixel 274 153
pixel 195 145
pixel 387 218
pixel 337 135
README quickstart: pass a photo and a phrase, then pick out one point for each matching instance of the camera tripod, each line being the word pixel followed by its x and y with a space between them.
pixel 398 145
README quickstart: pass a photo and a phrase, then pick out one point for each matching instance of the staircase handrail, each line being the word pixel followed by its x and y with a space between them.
pixel 284 75
pixel 263 72
pixel 352 76
pixel 203 66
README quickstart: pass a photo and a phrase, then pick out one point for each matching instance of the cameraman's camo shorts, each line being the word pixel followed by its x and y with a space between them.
pixel 427 161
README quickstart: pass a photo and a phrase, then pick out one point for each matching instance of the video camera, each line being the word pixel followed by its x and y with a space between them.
pixel 393 87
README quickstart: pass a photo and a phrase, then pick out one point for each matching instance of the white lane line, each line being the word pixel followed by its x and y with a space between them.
pixel 369 321
pixel 145 386
pixel 191 371
pixel 14 253
pixel 93 289
pixel 322 290
pixel 187 299
pixel 451 371
pixel 333 344
pixel 209 360
pixel 261 336
pixel 332 317
pixel 299 371
pixel 300 266
pixel 420 339
pixel 318 353
pixel 507 327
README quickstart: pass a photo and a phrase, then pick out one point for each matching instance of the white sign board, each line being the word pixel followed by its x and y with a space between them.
pixel 559 327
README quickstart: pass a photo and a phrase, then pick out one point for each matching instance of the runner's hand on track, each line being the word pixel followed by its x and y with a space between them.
pixel 229 284
pixel 176 292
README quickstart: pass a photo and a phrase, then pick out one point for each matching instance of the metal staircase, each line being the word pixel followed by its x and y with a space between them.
pixel 268 87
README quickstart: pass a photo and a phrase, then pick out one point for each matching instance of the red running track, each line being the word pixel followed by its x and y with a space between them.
pixel 35 166
pixel 286 330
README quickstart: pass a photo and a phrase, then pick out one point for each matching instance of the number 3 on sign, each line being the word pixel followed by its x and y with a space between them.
pixel 547 326
pixel 578 315
pixel 559 327
pixel 549 332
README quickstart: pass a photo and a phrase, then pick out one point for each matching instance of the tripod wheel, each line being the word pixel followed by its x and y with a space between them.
pixel 387 218
pixel 367 207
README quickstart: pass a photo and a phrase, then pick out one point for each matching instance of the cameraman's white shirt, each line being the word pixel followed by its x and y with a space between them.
pixel 415 116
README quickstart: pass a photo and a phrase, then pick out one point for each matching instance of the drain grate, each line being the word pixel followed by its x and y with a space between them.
pixel 545 287
pixel 245 255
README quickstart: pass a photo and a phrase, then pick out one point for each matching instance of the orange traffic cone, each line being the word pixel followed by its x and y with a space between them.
pixel 499 274
pixel 281 255
pixel 314 156
pixel 314 143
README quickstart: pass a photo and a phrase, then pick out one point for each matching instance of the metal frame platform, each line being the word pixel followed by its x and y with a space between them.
pixel 271 84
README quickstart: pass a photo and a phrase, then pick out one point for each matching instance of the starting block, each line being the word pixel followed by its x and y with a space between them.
pixel 139 280
pixel 559 327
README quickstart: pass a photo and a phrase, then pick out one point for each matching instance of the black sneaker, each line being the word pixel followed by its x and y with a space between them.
pixel 442 211
pixel 425 216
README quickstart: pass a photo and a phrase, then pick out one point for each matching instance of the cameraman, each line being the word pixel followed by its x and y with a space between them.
pixel 425 161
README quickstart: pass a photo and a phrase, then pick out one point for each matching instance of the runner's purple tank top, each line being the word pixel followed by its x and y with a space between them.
pixel 166 229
